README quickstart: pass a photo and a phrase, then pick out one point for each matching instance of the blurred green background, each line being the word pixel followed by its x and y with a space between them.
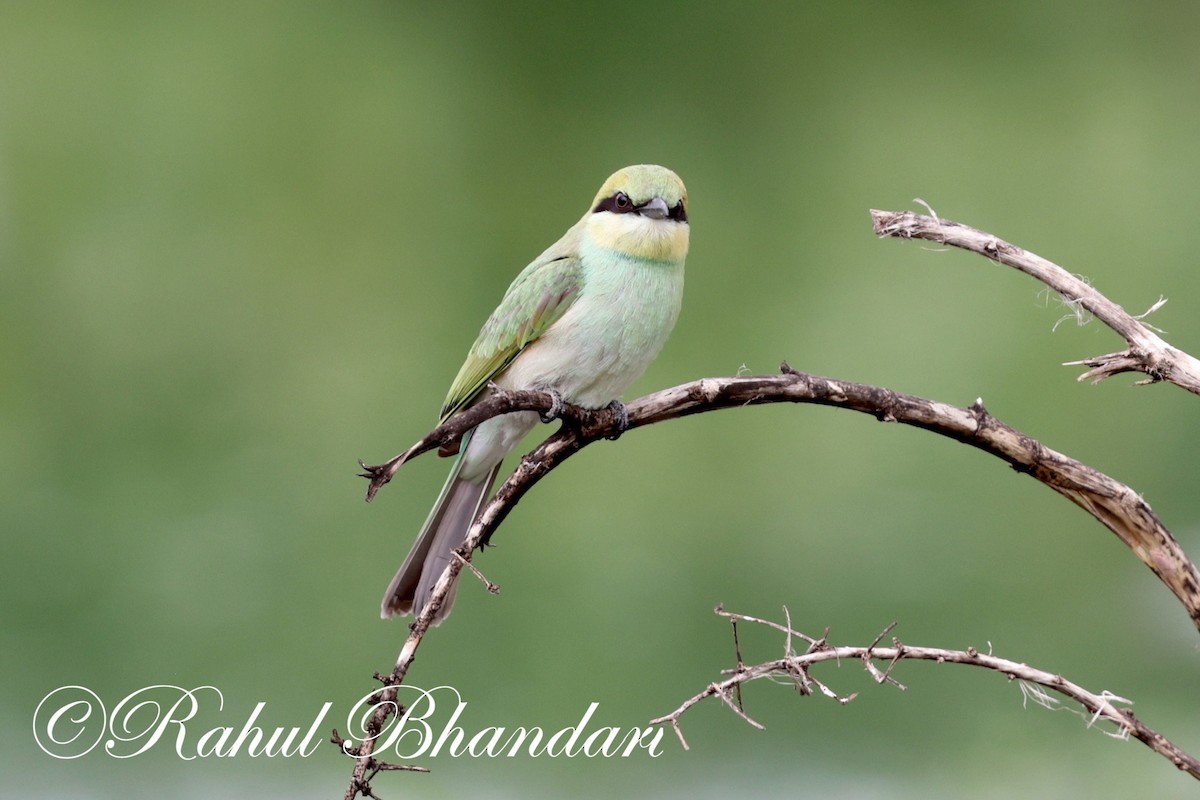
pixel 242 245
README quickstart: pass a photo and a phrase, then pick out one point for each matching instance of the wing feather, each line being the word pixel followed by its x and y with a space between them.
pixel 537 299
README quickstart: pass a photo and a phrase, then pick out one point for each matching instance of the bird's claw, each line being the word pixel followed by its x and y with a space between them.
pixel 622 419
pixel 557 406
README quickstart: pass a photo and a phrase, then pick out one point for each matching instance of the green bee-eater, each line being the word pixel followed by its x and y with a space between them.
pixel 583 321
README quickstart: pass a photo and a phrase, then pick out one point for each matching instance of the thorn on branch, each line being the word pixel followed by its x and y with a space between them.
pixel 492 588
pixel 736 708
pixel 882 634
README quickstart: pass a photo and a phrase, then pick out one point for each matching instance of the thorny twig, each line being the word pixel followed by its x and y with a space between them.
pixel 1034 683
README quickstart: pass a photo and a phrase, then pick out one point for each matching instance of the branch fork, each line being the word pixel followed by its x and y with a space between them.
pixel 1118 507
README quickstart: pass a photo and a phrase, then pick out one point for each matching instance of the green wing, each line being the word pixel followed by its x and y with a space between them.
pixel 539 296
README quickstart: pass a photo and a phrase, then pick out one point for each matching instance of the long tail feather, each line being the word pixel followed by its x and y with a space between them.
pixel 444 531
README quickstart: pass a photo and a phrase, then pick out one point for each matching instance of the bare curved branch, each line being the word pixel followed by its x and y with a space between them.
pixel 1115 505
pixel 1147 352
pixel 795 667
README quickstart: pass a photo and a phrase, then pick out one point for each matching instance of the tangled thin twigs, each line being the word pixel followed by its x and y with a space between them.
pixel 1099 707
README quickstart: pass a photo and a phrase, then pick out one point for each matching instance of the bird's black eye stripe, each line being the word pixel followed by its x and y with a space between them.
pixel 619 203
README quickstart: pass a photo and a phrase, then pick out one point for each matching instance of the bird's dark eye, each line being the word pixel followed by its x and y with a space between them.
pixel 678 213
pixel 618 203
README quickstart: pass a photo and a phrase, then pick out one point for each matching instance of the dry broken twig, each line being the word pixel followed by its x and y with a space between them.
pixel 796 668
pixel 1147 352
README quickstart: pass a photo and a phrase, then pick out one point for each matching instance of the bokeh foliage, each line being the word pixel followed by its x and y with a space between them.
pixel 242 245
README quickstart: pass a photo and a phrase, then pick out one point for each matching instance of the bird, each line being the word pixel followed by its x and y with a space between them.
pixel 582 322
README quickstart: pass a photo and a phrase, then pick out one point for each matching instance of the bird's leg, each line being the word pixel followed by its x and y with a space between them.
pixel 622 417
pixel 557 406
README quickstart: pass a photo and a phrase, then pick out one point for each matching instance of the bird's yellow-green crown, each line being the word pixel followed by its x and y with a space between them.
pixel 643 182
